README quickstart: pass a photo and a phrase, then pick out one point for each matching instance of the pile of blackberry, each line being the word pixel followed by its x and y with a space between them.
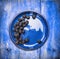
pixel 19 29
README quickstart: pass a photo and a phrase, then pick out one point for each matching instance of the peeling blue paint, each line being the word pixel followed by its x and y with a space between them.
pixel 47 8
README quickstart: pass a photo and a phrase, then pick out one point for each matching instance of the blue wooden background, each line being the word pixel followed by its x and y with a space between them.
pixel 50 9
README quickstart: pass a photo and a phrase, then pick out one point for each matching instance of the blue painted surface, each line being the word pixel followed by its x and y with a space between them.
pixel 51 12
